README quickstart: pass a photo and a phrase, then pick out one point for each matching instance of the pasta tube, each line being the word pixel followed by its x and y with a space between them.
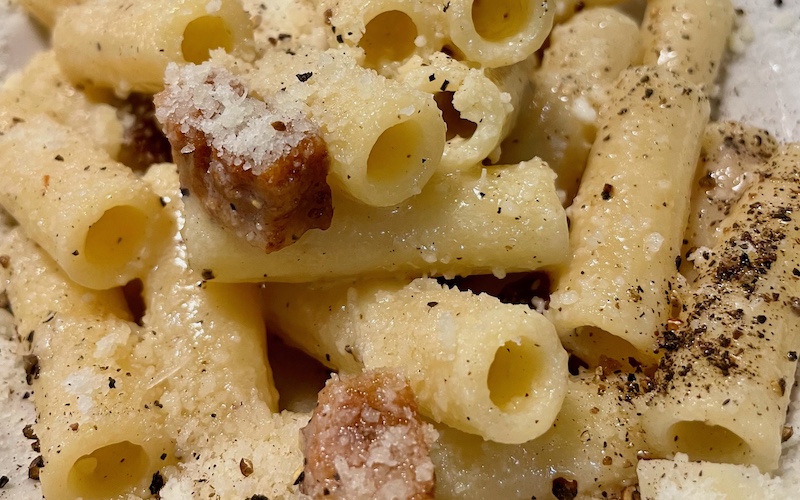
pixel 41 87
pixel 579 68
pixel 628 219
pixel 590 450
pixel 738 336
pixel 660 478
pixel 500 219
pixel 382 151
pixel 102 224
pixel 731 155
pixel 128 45
pixel 388 31
pixel 100 426
pixel 205 343
pixel 687 37
pixel 499 32
pixel 479 106
pixel 481 366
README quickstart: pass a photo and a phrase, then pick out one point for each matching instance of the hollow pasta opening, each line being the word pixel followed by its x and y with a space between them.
pixel 117 237
pixel 109 471
pixel 713 443
pixel 204 34
pixel 596 347
pixel 515 370
pixel 456 125
pixel 396 154
pixel 389 37
pixel 496 20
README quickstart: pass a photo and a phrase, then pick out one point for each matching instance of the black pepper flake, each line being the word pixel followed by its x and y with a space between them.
pixel 246 467
pixel 258 497
pixel 112 384
pixel 444 85
pixel 208 274
pixel 156 483
pixel 59 158
pixel 75 253
pixel 31 364
pixel 303 77
pixel 3 481
pixel 446 6
pixel 564 489
pixel 608 192
pixel 339 39
pixel 163 456
pixel 28 432
pixel 648 93
pixel 796 271
pixel 33 468
pixel 433 304
pixel 791 356
pixel 761 319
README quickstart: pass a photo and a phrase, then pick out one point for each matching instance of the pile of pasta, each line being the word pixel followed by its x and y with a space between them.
pixel 587 285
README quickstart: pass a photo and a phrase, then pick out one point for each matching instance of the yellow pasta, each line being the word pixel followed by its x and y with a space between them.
pixel 41 87
pixel 528 218
pixel 498 33
pixel 628 218
pixel 475 364
pixel 687 37
pixel 101 224
pixel 451 228
pixel 129 44
pixel 723 384
pixel 100 423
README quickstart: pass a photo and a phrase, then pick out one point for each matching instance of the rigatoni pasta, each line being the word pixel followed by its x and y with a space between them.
pixel 498 33
pixel 382 151
pixel 92 215
pixel 737 334
pixel 628 218
pixel 388 31
pixel 451 227
pixel 475 364
pixel 585 57
pixel 479 107
pixel 129 45
pixel 41 87
pixel 102 429
pixel 432 146
pixel 687 37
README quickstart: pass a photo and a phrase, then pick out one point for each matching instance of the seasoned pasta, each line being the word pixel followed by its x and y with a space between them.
pixel 395 249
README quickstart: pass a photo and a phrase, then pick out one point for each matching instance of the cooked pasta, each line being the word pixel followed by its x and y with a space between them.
pixel 395 249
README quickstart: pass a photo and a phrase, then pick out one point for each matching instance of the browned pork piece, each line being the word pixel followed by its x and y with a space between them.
pixel 258 168
pixel 365 440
